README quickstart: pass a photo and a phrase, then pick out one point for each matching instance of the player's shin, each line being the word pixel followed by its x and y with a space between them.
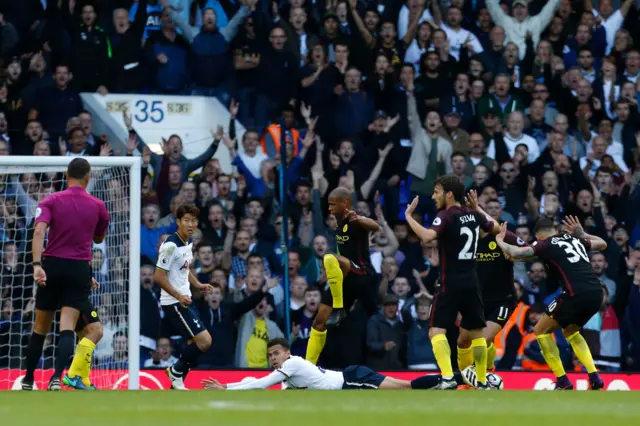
pixel 334 277
pixel 465 358
pixel 581 349
pixel 442 352
pixel 188 360
pixel 317 339
pixel 491 356
pixel 34 352
pixel 479 349
pixel 551 354
pixel 81 364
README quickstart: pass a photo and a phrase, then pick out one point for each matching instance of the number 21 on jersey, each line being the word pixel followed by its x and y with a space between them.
pixel 468 252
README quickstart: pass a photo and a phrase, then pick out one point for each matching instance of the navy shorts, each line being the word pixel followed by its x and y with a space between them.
pixel 183 321
pixel 361 377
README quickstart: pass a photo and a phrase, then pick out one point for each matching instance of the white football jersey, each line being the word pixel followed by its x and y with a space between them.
pixel 302 374
pixel 175 257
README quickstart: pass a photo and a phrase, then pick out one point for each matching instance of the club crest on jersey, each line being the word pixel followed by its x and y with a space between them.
pixel 38 212
pixel 437 221
pixel 345 227
pixel 493 245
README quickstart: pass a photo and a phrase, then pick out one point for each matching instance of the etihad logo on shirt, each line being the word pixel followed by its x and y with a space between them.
pixel 493 245
pixel 341 240
pixel 487 257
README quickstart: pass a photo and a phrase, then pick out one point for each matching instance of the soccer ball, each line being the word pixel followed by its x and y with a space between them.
pixel 495 381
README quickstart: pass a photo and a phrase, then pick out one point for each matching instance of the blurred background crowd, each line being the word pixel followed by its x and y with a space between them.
pixel 534 104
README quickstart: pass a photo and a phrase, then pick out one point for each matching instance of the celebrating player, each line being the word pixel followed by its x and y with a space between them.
pixel 298 373
pixel 73 219
pixel 174 277
pixel 581 299
pixel 495 274
pixel 457 230
pixel 352 264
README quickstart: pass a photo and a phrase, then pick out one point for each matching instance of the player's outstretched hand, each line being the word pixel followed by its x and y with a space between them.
pixel 503 232
pixel 412 207
pixel 472 199
pixel 184 301
pixel 40 276
pixel 212 383
pixel 572 225
pixel 94 284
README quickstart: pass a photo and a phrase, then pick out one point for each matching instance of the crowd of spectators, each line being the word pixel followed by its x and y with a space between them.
pixel 534 104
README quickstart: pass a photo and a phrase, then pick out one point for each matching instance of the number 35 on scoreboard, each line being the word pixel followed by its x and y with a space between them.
pixel 144 111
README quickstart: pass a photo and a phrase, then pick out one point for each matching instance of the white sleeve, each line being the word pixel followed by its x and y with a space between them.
pixel 496 12
pixel 615 21
pixel 475 43
pixel 266 382
pixel 534 151
pixel 165 256
pixel 403 21
pixel 620 162
pixel 542 19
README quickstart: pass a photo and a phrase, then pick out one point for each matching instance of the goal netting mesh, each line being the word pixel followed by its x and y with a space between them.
pixel 21 189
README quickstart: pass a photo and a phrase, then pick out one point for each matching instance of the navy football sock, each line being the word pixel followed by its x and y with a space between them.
pixel 65 349
pixel 430 381
pixel 188 359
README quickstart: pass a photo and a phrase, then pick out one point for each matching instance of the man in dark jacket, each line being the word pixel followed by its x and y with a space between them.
pixel 386 337
pixel 219 318
pixel 211 64
pixel 126 74
pixel 278 82
pixel 90 50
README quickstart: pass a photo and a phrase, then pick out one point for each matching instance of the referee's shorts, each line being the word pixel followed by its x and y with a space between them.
pixel 68 285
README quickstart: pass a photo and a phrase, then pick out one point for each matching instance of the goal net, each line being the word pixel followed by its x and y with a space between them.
pixel 24 182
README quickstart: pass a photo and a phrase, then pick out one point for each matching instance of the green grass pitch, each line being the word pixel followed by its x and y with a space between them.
pixel 326 408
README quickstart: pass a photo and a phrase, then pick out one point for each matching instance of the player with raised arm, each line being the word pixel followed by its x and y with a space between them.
pixel 457 230
pixel 582 296
pixel 298 373
pixel 174 276
pixel 495 274
pixel 352 265
pixel 73 219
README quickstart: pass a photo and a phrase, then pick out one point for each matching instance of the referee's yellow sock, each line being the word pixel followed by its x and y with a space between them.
pixel 334 276
pixel 479 349
pixel 551 354
pixel 81 364
pixel 465 358
pixel 442 351
pixel 581 349
pixel 317 339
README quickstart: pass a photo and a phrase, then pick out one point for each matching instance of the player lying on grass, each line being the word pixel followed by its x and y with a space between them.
pixel 298 373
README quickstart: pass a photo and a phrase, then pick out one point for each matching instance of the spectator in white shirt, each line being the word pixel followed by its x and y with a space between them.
pixel 612 147
pixel 458 36
pixel 592 161
pixel 162 357
pixel 518 25
pixel 514 137
pixel 404 15
pixel 611 20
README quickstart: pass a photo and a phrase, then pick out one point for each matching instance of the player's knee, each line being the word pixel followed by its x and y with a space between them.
pixel 94 332
pixel 204 342
pixel 463 340
pixel 330 261
pixel 433 332
pixel 570 331
pixel 318 325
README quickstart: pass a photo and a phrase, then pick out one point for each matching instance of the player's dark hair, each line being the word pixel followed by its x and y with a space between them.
pixel 78 168
pixel 452 183
pixel 186 209
pixel 279 341
pixel 544 224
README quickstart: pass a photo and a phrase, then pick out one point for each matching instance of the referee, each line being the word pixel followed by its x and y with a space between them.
pixel 73 219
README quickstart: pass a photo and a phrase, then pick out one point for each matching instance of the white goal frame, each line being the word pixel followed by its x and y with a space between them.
pixel 7 162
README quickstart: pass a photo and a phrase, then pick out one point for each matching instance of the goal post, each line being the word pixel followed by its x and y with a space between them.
pixel 24 181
